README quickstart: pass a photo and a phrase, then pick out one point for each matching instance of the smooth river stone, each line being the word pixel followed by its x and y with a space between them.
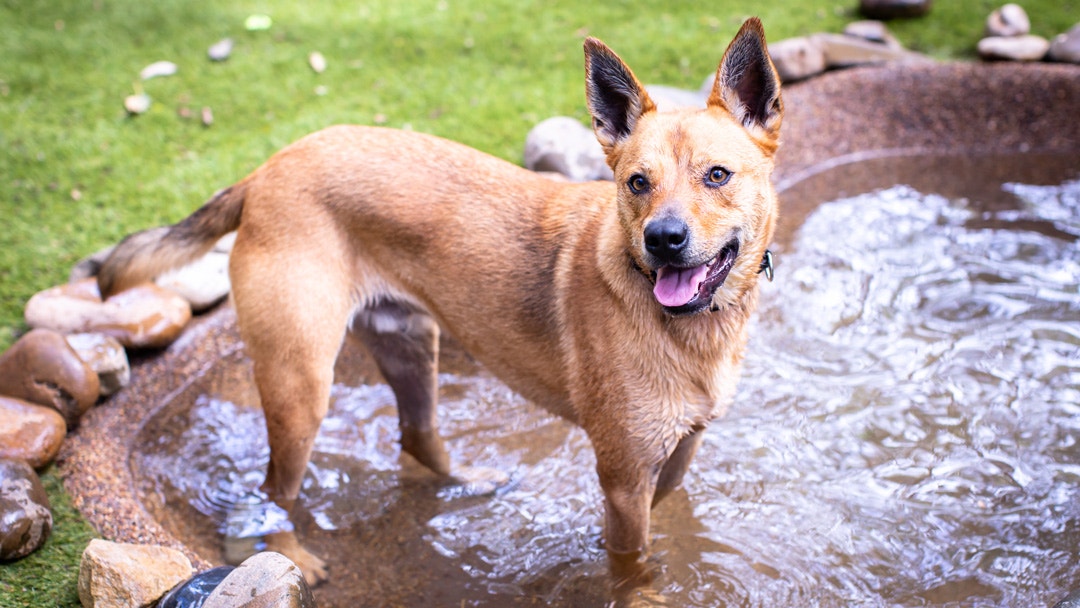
pixel 29 432
pixel 145 316
pixel 41 367
pixel 25 516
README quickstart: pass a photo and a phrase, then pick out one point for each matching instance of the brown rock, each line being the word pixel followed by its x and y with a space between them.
pixel 105 355
pixel 42 368
pixel 30 432
pixel 25 518
pixel 264 580
pixel 145 316
pixel 894 9
pixel 115 575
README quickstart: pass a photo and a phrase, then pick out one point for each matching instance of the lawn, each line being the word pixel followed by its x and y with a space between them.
pixel 77 173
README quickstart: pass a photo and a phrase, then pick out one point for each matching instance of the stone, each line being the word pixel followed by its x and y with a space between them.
pixel 220 50
pixel 671 98
pixel 30 432
pixel 1069 601
pixel 116 575
pixel 137 104
pixel 842 51
pixel 264 580
pixel 145 316
pixel 563 145
pixel 25 515
pixel 42 368
pixel 1009 20
pixel 317 62
pixel 1066 47
pixel 797 58
pixel 158 69
pixel 872 30
pixel 894 9
pixel 90 265
pixel 106 356
pixel 193 592
pixel 1014 48
pixel 204 283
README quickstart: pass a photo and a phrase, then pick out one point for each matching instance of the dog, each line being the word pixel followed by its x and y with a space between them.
pixel 621 306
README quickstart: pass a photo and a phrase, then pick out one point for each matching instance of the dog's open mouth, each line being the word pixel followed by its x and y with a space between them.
pixel 687 290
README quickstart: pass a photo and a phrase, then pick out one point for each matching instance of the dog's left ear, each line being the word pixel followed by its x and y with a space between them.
pixel 747 84
pixel 615 97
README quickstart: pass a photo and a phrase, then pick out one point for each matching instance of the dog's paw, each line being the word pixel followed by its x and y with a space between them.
pixel 472 482
pixel 313 567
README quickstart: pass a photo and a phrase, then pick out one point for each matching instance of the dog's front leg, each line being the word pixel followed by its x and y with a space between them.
pixel 628 482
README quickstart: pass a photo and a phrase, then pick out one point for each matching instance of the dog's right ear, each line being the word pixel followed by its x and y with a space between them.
pixel 615 97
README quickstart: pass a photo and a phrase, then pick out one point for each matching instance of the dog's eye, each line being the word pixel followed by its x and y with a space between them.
pixel 718 176
pixel 637 183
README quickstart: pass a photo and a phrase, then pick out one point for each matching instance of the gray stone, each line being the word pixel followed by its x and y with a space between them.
pixel 264 580
pixel 563 145
pixel 842 51
pixel 797 58
pixel 672 98
pixel 1066 47
pixel 145 316
pixel 1014 48
pixel 220 50
pixel 1009 20
pixel 204 283
pixel 158 69
pixel 29 432
pixel 872 30
pixel 894 9
pixel 90 265
pixel 115 575
pixel 106 356
pixel 25 516
pixel 42 368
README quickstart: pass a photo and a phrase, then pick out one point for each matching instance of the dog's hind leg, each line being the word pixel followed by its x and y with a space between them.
pixel 405 344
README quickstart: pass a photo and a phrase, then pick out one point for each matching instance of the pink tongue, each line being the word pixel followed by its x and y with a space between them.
pixel 677 286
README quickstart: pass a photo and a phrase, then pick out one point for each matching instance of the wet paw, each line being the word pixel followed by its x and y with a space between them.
pixel 313 567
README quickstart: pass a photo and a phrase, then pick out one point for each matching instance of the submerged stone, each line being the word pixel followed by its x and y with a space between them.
pixel 193 592
pixel 145 316
pixel 127 576
pixel 25 516
pixel 264 580
pixel 29 432
pixel 42 368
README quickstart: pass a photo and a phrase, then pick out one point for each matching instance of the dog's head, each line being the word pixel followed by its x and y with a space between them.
pixel 695 200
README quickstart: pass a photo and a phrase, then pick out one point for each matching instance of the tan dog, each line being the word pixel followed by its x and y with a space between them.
pixel 619 306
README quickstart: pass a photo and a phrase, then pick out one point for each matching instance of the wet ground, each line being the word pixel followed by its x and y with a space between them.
pixel 905 432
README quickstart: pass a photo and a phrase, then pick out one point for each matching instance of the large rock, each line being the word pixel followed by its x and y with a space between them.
pixel 797 58
pixel 42 368
pixel 29 432
pixel 1009 20
pixel 1014 48
pixel 106 356
pixel 1066 47
pixel 894 9
pixel 145 316
pixel 563 145
pixel 203 283
pixel 264 580
pixel 25 518
pixel 115 575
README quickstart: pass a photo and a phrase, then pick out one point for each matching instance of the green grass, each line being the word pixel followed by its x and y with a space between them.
pixel 77 173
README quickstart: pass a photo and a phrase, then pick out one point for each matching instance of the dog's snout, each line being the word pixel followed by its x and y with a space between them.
pixel 666 238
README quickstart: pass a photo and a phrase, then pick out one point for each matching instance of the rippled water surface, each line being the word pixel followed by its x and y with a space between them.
pixel 905 432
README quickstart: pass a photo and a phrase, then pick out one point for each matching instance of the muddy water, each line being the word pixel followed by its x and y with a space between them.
pixel 905 433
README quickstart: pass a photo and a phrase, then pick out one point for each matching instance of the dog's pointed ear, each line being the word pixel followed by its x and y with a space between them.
pixel 747 84
pixel 615 97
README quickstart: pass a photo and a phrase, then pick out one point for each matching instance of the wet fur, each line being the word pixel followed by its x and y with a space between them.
pixel 394 235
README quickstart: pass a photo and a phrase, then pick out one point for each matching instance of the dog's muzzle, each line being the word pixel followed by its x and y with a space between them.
pixel 686 290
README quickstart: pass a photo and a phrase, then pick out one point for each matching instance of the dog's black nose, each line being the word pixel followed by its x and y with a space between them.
pixel 666 238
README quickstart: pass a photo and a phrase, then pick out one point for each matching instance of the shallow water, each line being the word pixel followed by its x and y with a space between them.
pixel 905 432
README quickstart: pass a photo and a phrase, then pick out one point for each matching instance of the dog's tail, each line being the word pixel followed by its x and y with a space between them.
pixel 144 255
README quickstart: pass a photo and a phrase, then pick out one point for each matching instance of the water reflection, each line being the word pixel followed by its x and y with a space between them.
pixel 905 435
